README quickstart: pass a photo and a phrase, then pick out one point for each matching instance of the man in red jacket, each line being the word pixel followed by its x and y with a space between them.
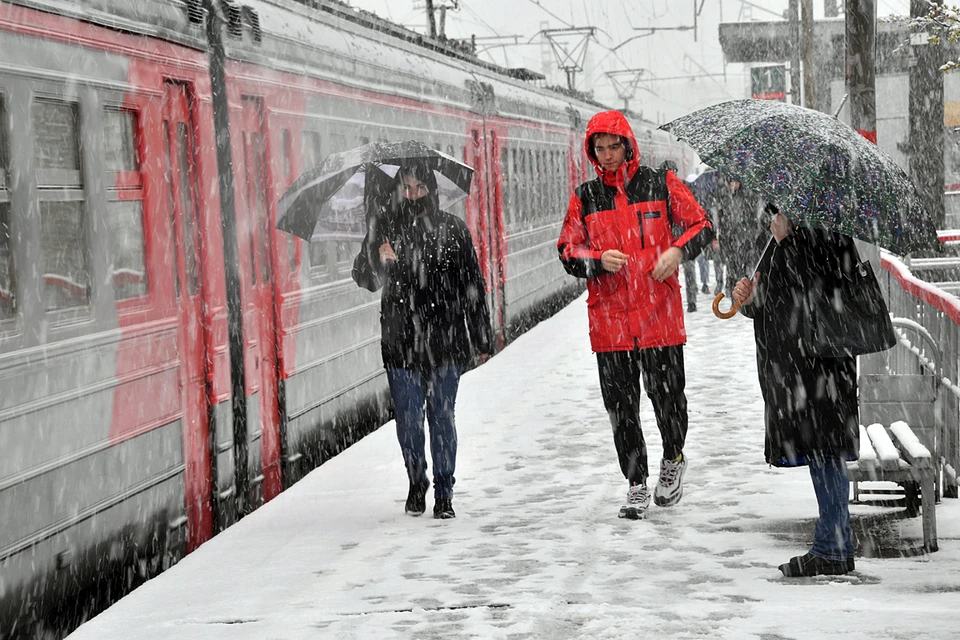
pixel 618 234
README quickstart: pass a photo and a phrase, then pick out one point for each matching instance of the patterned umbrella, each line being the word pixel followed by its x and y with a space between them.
pixel 816 169
pixel 334 200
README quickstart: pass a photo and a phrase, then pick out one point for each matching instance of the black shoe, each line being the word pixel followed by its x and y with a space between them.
pixel 417 498
pixel 809 565
pixel 691 306
pixel 705 289
pixel 443 509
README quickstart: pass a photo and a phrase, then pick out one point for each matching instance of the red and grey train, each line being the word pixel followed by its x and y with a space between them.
pixel 118 436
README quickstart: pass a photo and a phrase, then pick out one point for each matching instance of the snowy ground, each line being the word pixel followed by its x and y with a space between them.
pixel 537 550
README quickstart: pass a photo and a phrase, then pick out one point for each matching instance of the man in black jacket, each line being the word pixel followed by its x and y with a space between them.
pixel 433 318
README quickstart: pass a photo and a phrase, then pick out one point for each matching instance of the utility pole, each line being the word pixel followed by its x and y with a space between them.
pixel 861 47
pixel 861 32
pixel 431 19
pixel 228 223
pixel 546 55
pixel 809 87
pixel 570 60
pixel 626 90
pixel 925 145
pixel 793 11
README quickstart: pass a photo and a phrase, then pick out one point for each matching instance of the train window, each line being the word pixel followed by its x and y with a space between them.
pixel 260 209
pixel 538 203
pixel 57 150
pixel 66 273
pixel 338 142
pixel 320 261
pixel 125 209
pixel 530 186
pixel 504 185
pixel 346 252
pixel 126 237
pixel 564 183
pixel 8 298
pixel 184 163
pixel 311 155
pixel 170 208
pixel 119 140
pixel 512 187
pixel 287 152
pixel 64 251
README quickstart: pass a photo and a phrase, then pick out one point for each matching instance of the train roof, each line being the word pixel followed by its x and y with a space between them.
pixel 328 40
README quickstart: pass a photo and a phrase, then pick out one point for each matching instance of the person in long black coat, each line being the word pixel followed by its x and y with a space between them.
pixel 811 409
pixel 433 319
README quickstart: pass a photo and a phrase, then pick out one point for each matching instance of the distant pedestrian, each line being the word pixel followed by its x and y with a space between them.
pixel 809 391
pixel 739 214
pixel 618 235
pixel 433 308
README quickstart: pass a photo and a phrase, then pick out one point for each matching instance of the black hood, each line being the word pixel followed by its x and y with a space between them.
pixel 423 171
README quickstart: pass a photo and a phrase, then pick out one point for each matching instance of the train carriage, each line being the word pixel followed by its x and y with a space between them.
pixel 119 447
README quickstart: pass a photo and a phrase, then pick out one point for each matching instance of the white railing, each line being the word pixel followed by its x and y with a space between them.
pixel 937 311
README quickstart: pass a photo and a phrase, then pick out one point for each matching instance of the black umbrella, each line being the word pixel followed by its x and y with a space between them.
pixel 818 170
pixel 335 200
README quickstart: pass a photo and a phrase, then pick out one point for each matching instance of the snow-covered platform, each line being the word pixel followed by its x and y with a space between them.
pixel 537 550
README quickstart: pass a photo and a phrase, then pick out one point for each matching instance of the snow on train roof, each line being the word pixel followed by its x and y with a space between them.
pixel 368 50
pixel 310 42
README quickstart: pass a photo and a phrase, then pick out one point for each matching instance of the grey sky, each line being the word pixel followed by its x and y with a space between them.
pixel 666 54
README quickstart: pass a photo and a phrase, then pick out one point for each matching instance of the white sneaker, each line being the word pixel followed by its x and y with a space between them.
pixel 670 486
pixel 638 499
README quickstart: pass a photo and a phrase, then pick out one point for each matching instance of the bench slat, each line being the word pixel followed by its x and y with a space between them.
pixel 886 450
pixel 868 455
pixel 910 446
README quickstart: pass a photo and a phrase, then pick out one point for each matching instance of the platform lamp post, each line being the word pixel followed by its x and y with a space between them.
pixel 228 223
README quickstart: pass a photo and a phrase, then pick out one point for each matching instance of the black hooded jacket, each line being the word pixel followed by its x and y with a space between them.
pixel 433 310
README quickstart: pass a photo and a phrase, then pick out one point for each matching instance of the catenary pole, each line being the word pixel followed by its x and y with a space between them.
pixel 793 11
pixel 228 223
pixel 806 23
pixel 861 32
pixel 926 122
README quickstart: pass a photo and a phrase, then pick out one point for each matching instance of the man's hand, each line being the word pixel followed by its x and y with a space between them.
pixel 745 289
pixel 613 260
pixel 715 245
pixel 780 227
pixel 668 263
pixel 386 252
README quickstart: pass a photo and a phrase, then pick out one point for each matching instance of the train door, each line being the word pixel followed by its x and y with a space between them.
pixel 485 218
pixel 181 173
pixel 259 327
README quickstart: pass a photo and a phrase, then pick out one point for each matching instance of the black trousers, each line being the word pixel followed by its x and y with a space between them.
pixel 663 378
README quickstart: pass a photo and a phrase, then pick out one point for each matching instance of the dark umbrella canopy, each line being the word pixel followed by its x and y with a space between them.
pixel 819 171
pixel 335 199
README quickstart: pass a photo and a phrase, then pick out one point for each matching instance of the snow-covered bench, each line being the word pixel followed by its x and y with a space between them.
pixel 901 458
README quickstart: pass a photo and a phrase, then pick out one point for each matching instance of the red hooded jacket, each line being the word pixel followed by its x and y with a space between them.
pixel 632 210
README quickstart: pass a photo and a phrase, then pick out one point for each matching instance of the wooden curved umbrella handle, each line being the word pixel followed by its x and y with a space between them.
pixel 724 315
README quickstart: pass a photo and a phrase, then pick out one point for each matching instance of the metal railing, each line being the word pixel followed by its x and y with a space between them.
pixel 937 310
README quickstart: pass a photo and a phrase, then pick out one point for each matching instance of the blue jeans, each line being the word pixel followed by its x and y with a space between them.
pixel 833 537
pixel 411 390
pixel 704 268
